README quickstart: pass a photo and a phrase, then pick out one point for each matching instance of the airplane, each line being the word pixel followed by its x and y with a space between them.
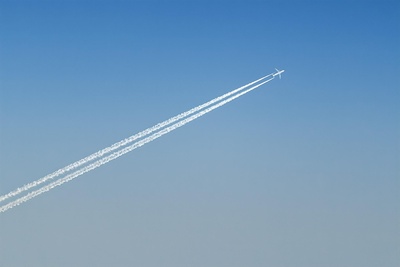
pixel 278 72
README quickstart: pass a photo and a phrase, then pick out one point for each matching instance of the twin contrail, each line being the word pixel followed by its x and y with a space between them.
pixel 177 120
pixel 122 143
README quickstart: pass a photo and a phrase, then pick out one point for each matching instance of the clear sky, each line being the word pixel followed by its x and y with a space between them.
pixel 302 172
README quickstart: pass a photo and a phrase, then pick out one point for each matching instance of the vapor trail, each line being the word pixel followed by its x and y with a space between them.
pixel 123 142
pixel 123 151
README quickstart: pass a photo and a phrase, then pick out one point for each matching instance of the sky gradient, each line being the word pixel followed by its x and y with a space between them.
pixel 304 171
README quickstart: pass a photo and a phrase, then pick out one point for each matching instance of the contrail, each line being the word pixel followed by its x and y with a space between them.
pixel 123 151
pixel 124 142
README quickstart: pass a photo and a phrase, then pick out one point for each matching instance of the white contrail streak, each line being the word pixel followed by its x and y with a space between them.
pixel 123 142
pixel 123 151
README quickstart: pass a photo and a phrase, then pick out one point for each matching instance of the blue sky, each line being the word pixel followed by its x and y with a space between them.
pixel 304 171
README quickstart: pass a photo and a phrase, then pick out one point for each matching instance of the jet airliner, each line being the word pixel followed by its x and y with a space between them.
pixel 278 72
